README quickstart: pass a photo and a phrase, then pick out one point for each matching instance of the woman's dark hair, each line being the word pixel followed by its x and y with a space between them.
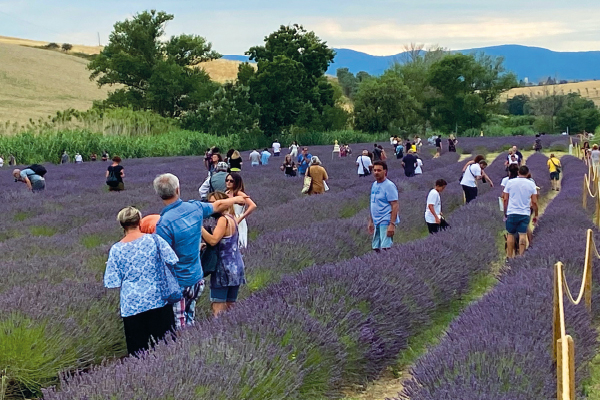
pixel 117 159
pixel 513 171
pixel 478 158
pixel 230 153
pixel 219 156
pixel 238 183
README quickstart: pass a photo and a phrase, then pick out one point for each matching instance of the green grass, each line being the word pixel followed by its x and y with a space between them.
pixel 418 344
pixel 95 240
pixel 21 216
pixel 42 230
pixel 591 386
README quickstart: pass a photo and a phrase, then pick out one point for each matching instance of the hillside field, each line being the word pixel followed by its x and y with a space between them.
pixel 35 83
pixel 587 89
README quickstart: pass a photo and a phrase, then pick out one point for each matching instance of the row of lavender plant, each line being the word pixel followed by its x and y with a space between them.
pixel 52 291
pixel 500 347
pixel 316 330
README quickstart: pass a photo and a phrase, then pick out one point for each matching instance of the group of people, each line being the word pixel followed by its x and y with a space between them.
pixel 66 159
pixel 172 244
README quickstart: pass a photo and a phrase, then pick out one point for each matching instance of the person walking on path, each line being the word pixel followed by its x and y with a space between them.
pixel 78 158
pixel 520 196
pixel 554 168
pixel 180 225
pixel 105 155
pixel 64 159
pixel 225 282
pixel 595 155
pixel 438 144
pixel 114 175
pixel 214 182
pixel 433 209
pixel 34 180
pixel 418 168
pixel 264 156
pixel 133 266
pixel 384 208
pixel 409 163
pixel 11 160
pixel 363 162
pixel 276 148
pixel 472 174
pixel 537 145
pixel 304 161
pixel 235 187
pixel 254 158
pixel 519 155
pixel 376 153
pixel 1 161
pixel 318 175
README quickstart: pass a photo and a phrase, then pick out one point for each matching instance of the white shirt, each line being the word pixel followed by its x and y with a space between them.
pixel 276 147
pixel 519 192
pixel 255 157
pixel 595 155
pixel 1 162
pixel 418 170
pixel 513 159
pixel 78 158
pixel 433 198
pixel 504 181
pixel 363 161
pixel 470 174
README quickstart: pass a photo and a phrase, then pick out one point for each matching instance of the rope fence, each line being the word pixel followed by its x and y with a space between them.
pixel 591 188
pixel 563 346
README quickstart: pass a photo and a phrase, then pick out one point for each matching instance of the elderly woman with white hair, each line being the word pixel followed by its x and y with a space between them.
pixel 133 265
pixel 318 175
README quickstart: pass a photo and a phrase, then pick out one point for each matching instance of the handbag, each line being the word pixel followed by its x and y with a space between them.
pixel 307 182
pixel 209 259
pixel 168 284
pixel 558 168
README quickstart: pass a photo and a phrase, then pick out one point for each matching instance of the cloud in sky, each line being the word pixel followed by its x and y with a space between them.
pixel 379 27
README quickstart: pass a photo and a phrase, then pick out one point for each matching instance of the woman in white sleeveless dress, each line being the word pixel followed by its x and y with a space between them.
pixel 294 150
pixel 235 187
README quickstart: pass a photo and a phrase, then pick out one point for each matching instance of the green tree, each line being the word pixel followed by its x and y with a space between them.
pixel 578 114
pixel 289 81
pixel 516 105
pixel 384 103
pixel 347 81
pixel 66 47
pixel 155 75
pixel 466 89
pixel 546 106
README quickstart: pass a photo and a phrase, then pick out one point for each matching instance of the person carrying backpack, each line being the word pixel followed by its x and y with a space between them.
pixel 114 175
pixel 32 176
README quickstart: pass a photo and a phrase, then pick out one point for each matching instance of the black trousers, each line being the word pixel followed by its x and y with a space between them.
pixel 142 328
pixel 470 193
pixel 433 228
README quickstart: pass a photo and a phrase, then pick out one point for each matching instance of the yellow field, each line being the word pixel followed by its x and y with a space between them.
pixel 222 70
pixel 587 89
pixel 78 48
pixel 36 83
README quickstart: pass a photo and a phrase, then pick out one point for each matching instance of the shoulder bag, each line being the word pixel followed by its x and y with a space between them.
pixel 558 168
pixel 209 259
pixel 307 182
pixel 168 284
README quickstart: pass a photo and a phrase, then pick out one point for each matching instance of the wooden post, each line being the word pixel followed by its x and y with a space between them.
pixel 585 190
pixel 559 371
pixel 571 346
pixel 588 271
pixel 555 320
pixel 597 209
pixel 561 364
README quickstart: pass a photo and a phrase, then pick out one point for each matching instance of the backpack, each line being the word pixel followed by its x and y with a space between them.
pixel 38 169
pixel 112 179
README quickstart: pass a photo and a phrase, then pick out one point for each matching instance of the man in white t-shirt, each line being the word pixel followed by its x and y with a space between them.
pixel 520 196
pixel 363 162
pixel 433 210
pixel 472 174
pixel 1 162
pixel 254 158
pixel 276 148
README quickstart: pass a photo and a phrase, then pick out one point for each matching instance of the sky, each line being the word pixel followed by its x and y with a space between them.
pixel 377 27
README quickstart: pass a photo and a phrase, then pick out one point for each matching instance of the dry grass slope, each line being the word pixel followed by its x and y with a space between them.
pixel 587 89
pixel 36 83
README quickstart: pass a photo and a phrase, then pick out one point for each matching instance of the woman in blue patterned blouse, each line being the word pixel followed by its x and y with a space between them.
pixel 133 266
pixel 226 280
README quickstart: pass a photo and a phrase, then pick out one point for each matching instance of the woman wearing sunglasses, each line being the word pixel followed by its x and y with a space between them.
pixel 235 187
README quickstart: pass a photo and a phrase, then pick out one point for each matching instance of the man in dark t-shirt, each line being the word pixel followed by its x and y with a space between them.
pixel 376 153
pixel 409 162
pixel 438 143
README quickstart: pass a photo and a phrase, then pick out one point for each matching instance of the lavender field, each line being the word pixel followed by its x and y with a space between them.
pixel 320 311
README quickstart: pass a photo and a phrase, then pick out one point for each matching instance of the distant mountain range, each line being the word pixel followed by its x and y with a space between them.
pixel 534 63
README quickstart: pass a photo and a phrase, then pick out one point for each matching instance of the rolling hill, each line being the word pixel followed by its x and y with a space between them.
pixel 532 62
